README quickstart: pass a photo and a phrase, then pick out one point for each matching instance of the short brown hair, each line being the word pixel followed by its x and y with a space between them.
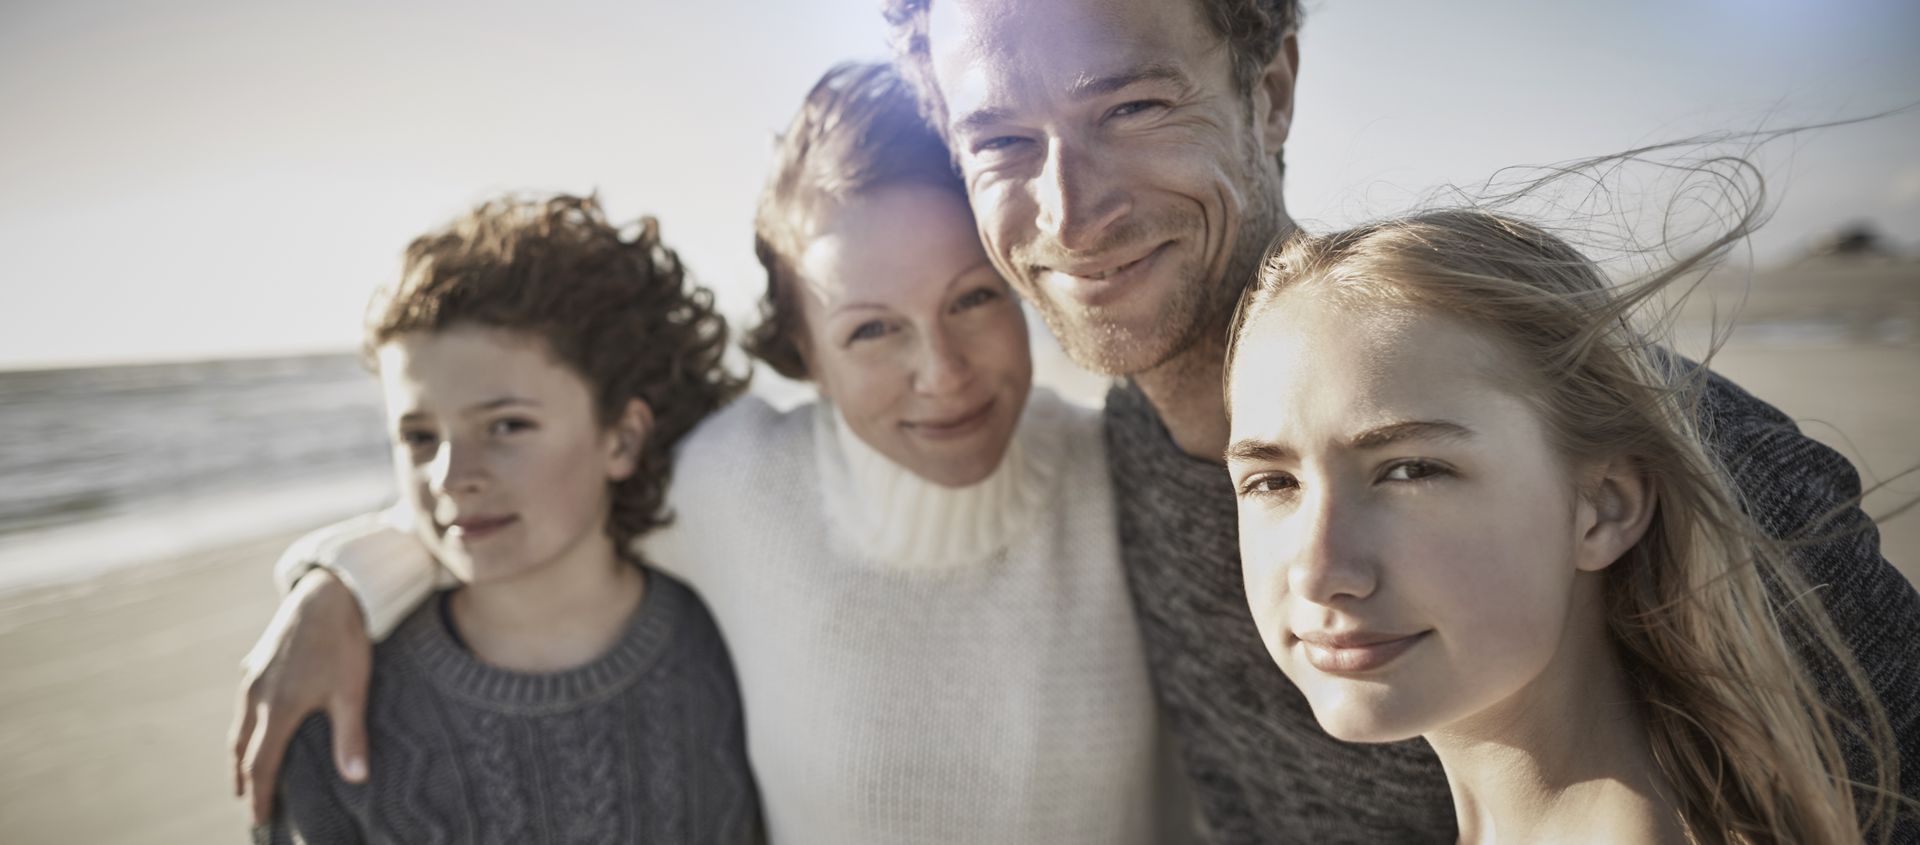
pixel 1253 30
pixel 612 303
pixel 857 130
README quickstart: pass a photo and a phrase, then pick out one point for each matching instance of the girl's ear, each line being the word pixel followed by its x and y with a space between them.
pixel 626 439
pixel 1612 513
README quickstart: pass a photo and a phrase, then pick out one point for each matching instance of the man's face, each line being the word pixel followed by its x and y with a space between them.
pixel 1118 176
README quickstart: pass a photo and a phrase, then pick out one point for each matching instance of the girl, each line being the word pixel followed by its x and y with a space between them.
pixel 538 364
pixel 1473 509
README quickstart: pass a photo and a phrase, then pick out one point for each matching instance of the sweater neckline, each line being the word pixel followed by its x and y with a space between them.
pixel 426 641
pixel 901 522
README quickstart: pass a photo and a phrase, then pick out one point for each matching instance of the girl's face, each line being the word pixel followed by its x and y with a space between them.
pixel 1412 547
pixel 911 333
pixel 499 451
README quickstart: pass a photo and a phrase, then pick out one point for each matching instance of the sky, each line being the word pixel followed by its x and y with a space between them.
pixel 213 178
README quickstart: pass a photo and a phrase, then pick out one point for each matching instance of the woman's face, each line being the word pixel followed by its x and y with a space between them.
pixel 1411 545
pixel 499 452
pixel 911 333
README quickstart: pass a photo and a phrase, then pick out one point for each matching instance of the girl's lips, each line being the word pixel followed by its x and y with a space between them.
pixel 478 528
pixel 1355 654
pixel 953 427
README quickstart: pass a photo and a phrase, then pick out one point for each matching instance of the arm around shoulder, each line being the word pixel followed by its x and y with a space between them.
pixel 379 560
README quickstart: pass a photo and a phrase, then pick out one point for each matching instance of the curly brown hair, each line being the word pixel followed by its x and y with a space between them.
pixel 857 130
pixel 1253 30
pixel 612 303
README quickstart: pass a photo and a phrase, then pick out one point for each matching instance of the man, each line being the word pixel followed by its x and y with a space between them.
pixel 1123 158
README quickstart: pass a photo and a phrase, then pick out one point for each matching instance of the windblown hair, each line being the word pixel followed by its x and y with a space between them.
pixel 1252 29
pixel 856 131
pixel 1737 723
pixel 613 304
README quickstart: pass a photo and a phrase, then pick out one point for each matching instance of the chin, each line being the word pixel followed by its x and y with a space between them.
pixel 1368 719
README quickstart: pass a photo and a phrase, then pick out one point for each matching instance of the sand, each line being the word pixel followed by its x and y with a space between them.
pixel 115 694
pixel 114 699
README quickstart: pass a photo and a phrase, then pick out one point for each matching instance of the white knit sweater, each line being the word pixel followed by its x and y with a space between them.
pixel 918 664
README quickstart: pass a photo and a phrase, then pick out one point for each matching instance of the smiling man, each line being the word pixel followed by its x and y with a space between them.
pixel 1123 158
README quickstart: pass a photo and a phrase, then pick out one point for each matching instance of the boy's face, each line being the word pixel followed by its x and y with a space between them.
pixel 912 334
pixel 499 451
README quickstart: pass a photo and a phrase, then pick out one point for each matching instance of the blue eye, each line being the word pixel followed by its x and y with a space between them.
pixel 975 298
pixel 996 143
pixel 1134 107
pixel 867 331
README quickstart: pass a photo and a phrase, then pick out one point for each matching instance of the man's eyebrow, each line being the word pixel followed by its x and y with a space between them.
pixel 1082 88
pixel 1257 451
pixel 1094 86
pixel 1375 438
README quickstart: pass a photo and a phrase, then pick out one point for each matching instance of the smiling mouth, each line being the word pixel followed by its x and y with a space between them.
pixel 1353 654
pixel 952 427
pixel 1097 288
pixel 478 528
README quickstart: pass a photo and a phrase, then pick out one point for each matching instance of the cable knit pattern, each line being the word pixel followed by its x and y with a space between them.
pixel 922 664
pixel 1263 770
pixel 643 744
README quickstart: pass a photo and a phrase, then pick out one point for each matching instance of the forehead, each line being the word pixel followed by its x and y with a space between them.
pixel 888 242
pixel 987 52
pixel 1308 369
pixel 462 363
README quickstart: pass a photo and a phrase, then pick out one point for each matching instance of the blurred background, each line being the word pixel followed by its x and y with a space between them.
pixel 197 196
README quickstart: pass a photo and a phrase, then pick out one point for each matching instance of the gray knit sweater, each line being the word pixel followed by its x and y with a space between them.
pixel 643 745
pixel 1263 770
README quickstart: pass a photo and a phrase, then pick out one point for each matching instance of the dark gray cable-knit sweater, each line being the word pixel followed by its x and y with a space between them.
pixel 1264 772
pixel 643 745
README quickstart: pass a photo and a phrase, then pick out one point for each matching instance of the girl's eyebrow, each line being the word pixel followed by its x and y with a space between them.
pixel 1390 433
pixel 1256 450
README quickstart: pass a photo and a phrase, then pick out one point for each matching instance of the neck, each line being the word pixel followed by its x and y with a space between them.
pixel 1187 389
pixel 556 616
pixel 1566 759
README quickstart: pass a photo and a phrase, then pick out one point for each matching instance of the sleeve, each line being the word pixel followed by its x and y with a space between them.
pixel 309 809
pixel 377 557
pixel 1808 495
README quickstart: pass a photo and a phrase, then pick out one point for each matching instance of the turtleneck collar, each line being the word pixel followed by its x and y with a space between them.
pixel 899 521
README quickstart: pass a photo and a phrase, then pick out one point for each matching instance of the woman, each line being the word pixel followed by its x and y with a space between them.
pixel 916 574
pixel 1473 508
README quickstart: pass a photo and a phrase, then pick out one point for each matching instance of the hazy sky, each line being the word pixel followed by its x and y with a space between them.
pixel 211 177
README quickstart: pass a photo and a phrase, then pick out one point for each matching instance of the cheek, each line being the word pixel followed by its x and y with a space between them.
pixel 1496 581
pixel 1263 555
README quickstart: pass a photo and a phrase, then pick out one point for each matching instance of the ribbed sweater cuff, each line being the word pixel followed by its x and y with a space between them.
pixel 381 563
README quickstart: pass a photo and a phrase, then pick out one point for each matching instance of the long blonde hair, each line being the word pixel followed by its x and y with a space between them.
pixel 1706 611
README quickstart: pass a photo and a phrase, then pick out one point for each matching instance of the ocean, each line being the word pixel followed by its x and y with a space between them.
pixel 104 466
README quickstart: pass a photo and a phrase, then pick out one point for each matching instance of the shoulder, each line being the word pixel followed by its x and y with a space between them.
pixel 742 433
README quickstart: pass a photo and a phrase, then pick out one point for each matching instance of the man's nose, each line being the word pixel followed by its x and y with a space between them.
pixel 1078 198
pixel 1332 560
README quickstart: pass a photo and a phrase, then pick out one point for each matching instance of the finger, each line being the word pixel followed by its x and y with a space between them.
pixel 348 714
pixel 240 735
pixel 264 757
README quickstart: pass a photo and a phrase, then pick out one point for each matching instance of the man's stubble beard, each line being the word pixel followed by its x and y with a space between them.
pixel 1195 319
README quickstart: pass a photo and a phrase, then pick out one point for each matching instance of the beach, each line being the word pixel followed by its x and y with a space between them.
pixel 115 692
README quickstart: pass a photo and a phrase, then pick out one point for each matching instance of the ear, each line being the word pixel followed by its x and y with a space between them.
pixel 1612 514
pixel 626 439
pixel 1273 94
